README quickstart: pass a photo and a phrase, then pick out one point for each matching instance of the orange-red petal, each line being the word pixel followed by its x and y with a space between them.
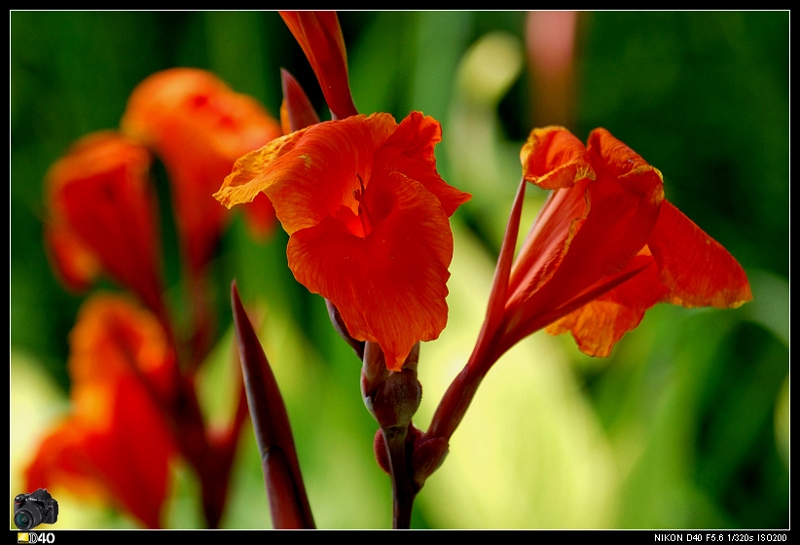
pixel 600 324
pixel 310 173
pixel 410 150
pixel 114 338
pixel 606 247
pixel 548 240
pixel 75 263
pixel 389 286
pixel 697 269
pixel 126 464
pixel 685 265
pixel 552 158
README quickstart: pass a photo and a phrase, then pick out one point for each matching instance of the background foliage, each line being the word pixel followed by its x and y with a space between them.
pixel 686 425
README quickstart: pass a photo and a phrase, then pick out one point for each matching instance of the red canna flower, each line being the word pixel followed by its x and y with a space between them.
pixel 102 216
pixel 320 36
pixel 198 127
pixel 115 445
pixel 367 214
pixel 606 247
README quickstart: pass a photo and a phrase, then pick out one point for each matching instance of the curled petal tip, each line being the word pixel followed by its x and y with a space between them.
pixel 552 158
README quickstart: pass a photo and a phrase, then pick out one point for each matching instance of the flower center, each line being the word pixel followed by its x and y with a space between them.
pixel 364 215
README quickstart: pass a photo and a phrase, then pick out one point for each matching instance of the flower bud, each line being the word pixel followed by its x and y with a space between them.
pixel 391 397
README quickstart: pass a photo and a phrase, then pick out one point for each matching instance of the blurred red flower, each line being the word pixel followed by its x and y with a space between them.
pixel 116 445
pixel 102 216
pixel 198 127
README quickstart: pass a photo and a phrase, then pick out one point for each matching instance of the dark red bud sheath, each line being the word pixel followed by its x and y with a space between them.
pixel 296 110
pixel 288 501
pixel 427 456
pixel 320 36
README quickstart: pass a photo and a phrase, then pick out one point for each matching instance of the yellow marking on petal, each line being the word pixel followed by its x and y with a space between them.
pixel 243 183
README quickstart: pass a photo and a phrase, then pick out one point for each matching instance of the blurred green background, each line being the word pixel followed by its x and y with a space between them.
pixel 686 425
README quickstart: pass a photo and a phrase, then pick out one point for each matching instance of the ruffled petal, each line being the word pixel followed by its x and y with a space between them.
pixel 416 136
pixel 410 150
pixel 309 174
pixel 367 213
pixel 237 187
pixel 552 158
pixel 390 286
pixel 606 247
pixel 615 158
pixel 698 271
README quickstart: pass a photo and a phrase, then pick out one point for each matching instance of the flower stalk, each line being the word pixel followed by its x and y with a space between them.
pixel 393 397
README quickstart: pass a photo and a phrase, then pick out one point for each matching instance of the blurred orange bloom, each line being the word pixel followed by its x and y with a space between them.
pixel 198 127
pixel 102 216
pixel 367 214
pixel 116 444
pixel 606 247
